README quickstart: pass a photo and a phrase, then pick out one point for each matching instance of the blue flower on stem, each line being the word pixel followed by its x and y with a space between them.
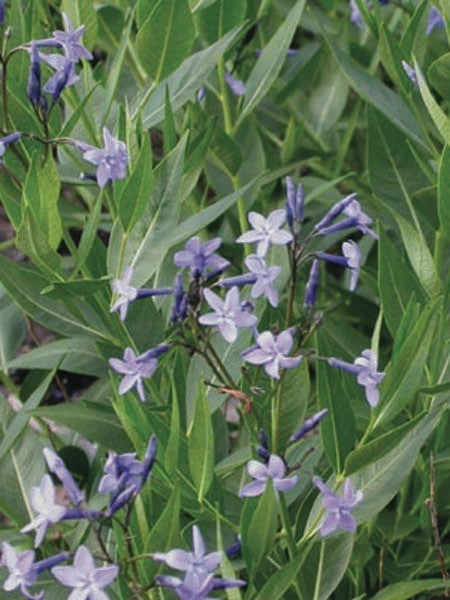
pixel 23 571
pixel 365 369
pixel 275 470
pixel 200 256
pixel 351 260
pixel 68 40
pixel 42 499
pixel 7 140
pixel 112 159
pixel 125 476
pixel 266 231
pixel 228 314
pixel 435 20
pixel 338 509
pixel 271 351
pixel 199 579
pixel 355 218
pixel 127 293
pixel 311 285
pixel 260 275
pixel 136 368
pixel 86 580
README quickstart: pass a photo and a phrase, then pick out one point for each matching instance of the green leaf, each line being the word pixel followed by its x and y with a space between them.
pixel 24 284
pixel 438 75
pixel 145 246
pixel 75 355
pixel 397 283
pixel 169 130
pixel 165 39
pixel 201 445
pixel 93 421
pixel 269 64
pixel 40 195
pixel 259 537
pixel 444 192
pixel 328 99
pixel 375 449
pixel 277 585
pixel 325 566
pixel 404 590
pixel 412 34
pixel 171 454
pixel 440 119
pixel 20 420
pixel 338 429
pixel 294 401
pixel 138 188
pixel 419 256
pixel 184 82
pixel 383 98
pixel 165 533
pixel 404 372
pixel 12 329
pixel 436 389
pixel 20 470
pixel 393 171
pixel 33 241
pixel 382 479
pixel 217 19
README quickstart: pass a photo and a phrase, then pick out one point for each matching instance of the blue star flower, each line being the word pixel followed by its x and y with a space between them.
pixel 338 509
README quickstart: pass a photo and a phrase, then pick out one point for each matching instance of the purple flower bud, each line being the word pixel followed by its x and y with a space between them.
pixel 56 466
pixel 334 212
pixel 73 514
pixel 7 140
pixel 312 285
pixel 34 76
pixel 2 12
pixel 236 85
pixel 309 424
pixel 234 548
pixel 411 73
pixel 179 308
pixel 294 205
pixel 244 279
pixel 201 93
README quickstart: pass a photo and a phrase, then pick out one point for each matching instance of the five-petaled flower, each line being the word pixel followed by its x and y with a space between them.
pixel 228 314
pixel 125 475
pixel 275 470
pixel 365 369
pixel 87 580
pixel 338 509
pixel 200 256
pixel 42 500
pixel 266 231
pixel 198 566
pixel 136 368
pixel 271 351
pixel 112 159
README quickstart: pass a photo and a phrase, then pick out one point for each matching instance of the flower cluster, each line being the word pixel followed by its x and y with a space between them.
pixel 199 567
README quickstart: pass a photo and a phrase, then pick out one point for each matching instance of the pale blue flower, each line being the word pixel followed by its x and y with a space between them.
pixel 228 314
pixel 271 351
pixel 42 499
pixel 136 368
pixel 355 218
pixel 435 20
pixel 200 256
pixel 68 40
pixel 266 231
pixel 365 369
pixel 338 508
pixel 351 260
pixel 199 580
pixel 87 580
pixel 23 571
pixel 112 159
pixel 275 470
pixel 260 275
pixel 125 475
